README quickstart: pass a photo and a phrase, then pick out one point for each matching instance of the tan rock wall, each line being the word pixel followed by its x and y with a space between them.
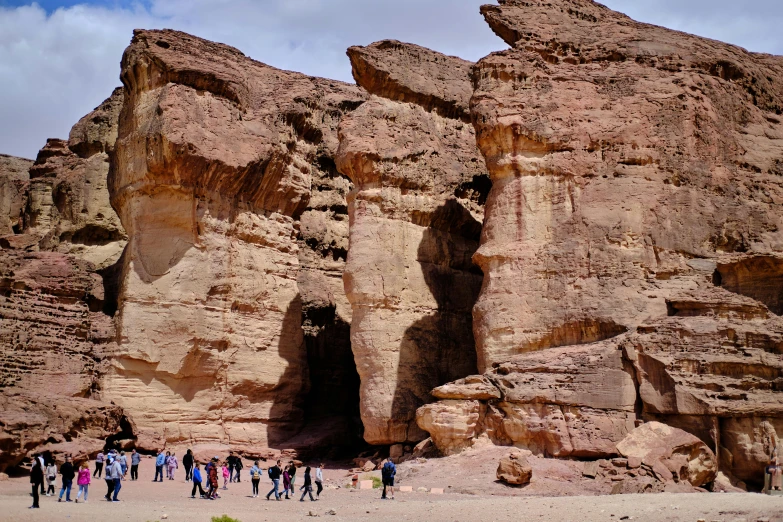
pixel 14 181
pixel 413 231
pixel 215 162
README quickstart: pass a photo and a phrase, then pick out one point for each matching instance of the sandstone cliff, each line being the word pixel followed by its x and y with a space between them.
pixel 68 207
pixel 14 182
pixel 634 169
pixel 215 162
pixel 416 214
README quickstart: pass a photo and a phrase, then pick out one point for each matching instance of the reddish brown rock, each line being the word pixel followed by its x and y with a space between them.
pixel 53 333
pixel 14 178
pixel 514 470
pixel 32 422
pixel 68 206
pixel 215 164
pixel 671 452
pixel 416 213
pixel 409 73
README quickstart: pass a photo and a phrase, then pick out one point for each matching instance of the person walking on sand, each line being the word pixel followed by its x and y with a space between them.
pixel 135 461
pixel 160 461
pixel 213 479
pixel 187 463
pixel 108 479
pixel 274 474
pixel 239 467
pixel 255 477
pixel 67 472
pixel 226 474
pixel 173 464
pixel 115 470
pixel 166 463
pixel 43 467
pixel 388 472
pixel 99 460
pixel 307 486
pixel 292 476
pixel 286 483
pixel 36 479
pixel 123 463
pixel 231 461
pixel 51 478
pixel 83 481
pixel 197 482
pixel 319 480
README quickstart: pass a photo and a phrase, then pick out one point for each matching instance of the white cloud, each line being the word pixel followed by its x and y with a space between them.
pixel 56 68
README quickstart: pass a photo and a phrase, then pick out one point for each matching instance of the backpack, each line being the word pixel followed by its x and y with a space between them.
pixel 269 471
pixel 256 475
pixel 387 470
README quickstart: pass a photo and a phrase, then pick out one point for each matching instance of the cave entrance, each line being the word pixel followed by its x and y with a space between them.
pixel 332 404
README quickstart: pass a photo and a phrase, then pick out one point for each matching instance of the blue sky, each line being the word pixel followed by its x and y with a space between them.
pixel 60 58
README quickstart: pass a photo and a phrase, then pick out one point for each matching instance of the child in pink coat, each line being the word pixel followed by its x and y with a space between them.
pixel 83 481
pixel 225 476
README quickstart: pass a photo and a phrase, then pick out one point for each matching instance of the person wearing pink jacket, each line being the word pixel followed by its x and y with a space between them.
pixel 83 481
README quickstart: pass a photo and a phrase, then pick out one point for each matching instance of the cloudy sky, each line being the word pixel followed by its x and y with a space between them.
pixel 60 58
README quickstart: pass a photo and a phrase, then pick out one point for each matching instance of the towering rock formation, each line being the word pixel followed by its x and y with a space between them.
pixel 68 208
pixel 14 182
pixel 416 214
pixel 634 168
pixel 215 161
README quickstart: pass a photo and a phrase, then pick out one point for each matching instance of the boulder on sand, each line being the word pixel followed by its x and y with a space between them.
pixel 514 469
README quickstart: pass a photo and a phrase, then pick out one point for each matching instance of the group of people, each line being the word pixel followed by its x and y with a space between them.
pixel 170 463
pixel 230 470
pixel 116 470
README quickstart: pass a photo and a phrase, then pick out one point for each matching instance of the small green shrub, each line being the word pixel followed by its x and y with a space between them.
pixel 224 518
pixel 377 483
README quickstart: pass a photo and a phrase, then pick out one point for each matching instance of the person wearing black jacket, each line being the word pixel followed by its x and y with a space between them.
pixel 274 474
pixel 36 479
pixel 67 472
pixel 292 475
pixel 307 486
pixel 231 460
pixel 238 466
pixel 187 461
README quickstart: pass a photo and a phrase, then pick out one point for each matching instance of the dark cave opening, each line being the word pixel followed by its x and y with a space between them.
pixel 757 277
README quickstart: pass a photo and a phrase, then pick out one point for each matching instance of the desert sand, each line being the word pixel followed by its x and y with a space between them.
pixel 144 500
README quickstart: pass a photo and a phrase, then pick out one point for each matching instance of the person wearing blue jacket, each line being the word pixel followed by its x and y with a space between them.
pixel 159 463
pixel 197 481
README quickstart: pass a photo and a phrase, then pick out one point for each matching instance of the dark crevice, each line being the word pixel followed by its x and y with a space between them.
pixel 757 277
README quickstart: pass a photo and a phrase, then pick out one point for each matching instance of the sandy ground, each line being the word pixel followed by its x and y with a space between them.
pixel 144 500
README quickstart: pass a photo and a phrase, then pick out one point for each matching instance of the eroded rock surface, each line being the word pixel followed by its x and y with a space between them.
pixel 416 213
pixel 631 237
pixel 215 161
pixel 14 182
pixel 68 208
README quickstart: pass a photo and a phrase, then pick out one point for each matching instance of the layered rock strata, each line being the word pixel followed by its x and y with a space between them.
pixel 215 162
pixel 53 339
pixel 416 213
pixel 634 171
pixel 68 207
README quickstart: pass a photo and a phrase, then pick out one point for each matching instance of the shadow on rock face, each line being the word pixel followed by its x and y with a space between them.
pixel 440 348
pixel 286 416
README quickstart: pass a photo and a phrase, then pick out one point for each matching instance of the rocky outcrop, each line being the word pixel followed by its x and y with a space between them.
pixel 14 181
pixel 671 453
pixel 666 156
pixel 215 163
pixel 33 422
pixel 53 340
pixel 53 333
pixel 68 208
pixel 416 213
pixel 631 237
pixel 514 469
